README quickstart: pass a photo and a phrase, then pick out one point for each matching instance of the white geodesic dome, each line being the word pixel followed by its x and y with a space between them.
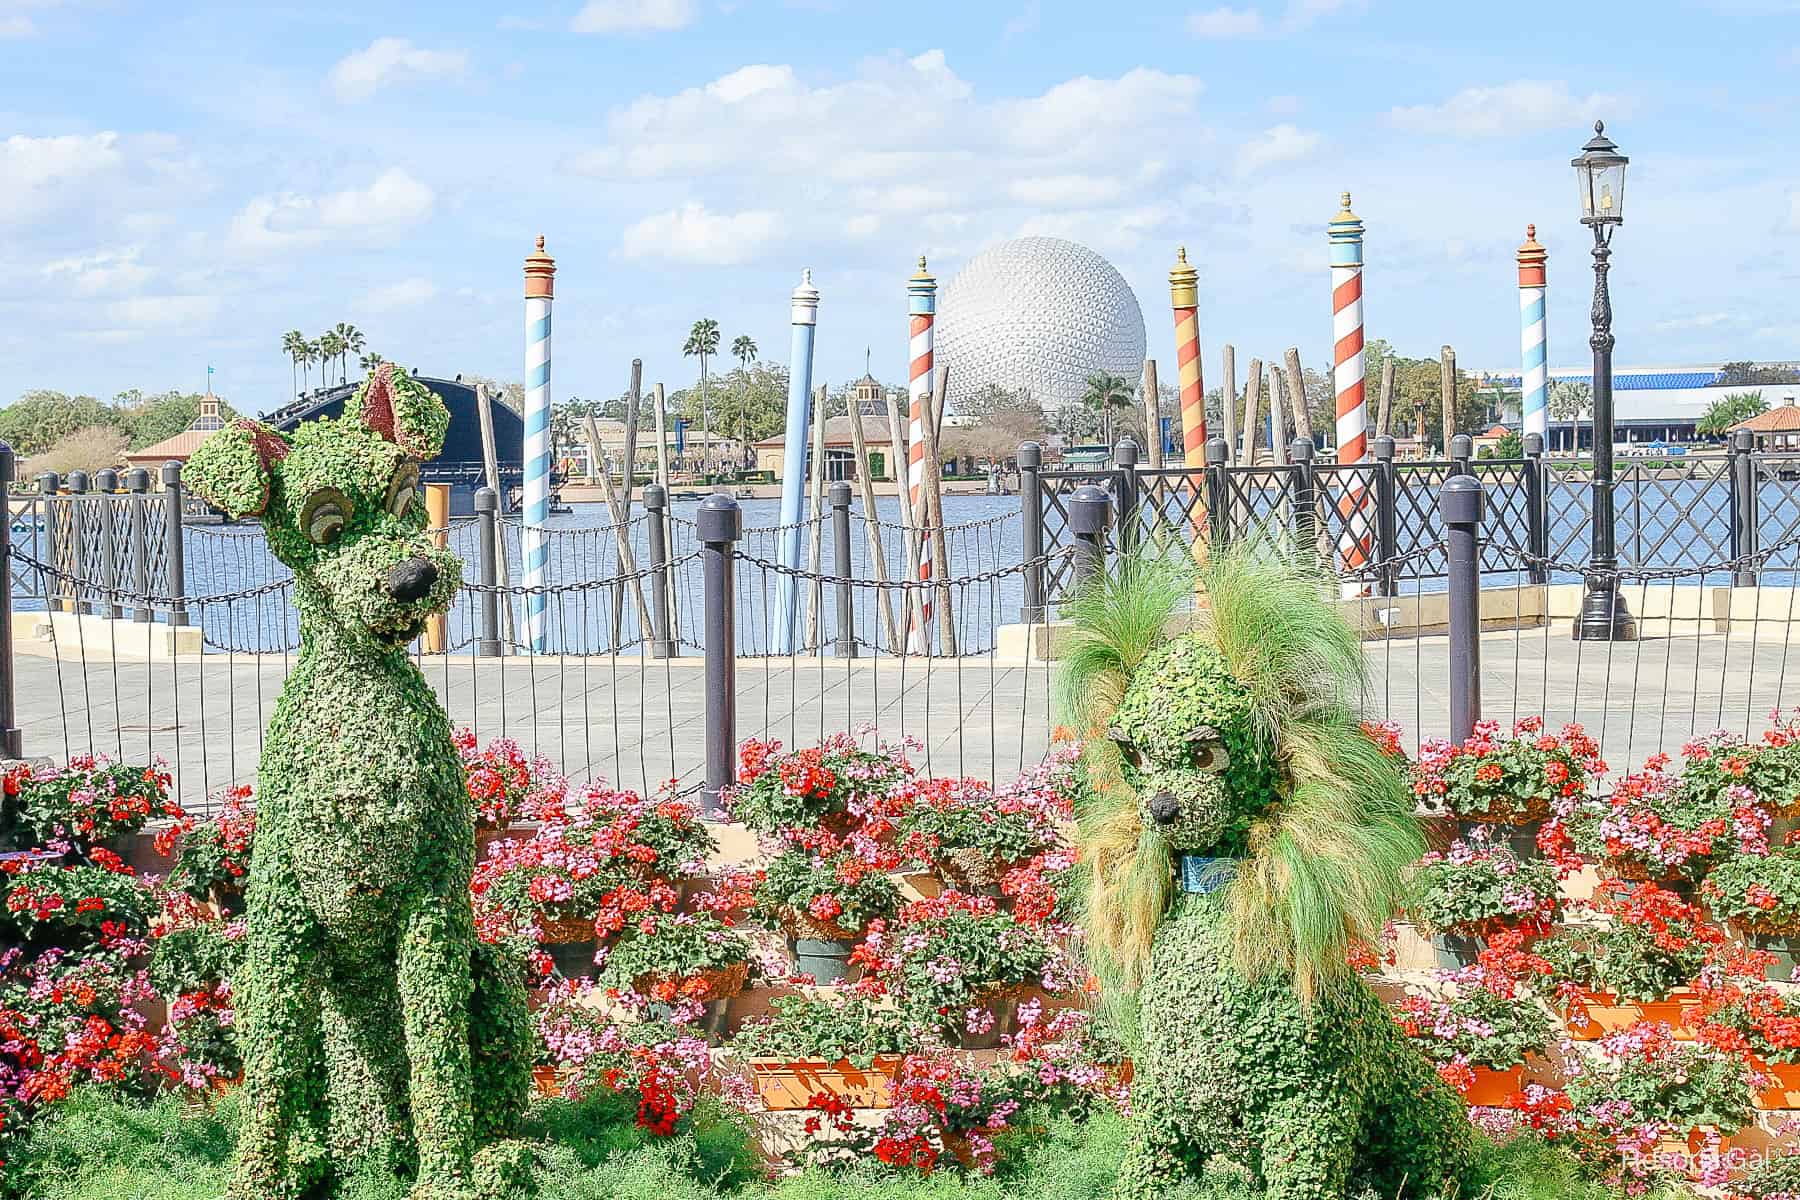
pixel 1041 314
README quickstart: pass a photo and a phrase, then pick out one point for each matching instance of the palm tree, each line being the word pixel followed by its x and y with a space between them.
pixel 292 343
pixel 351 340
pixel 331 346
pixel 315 354
pixel 703 342
pixel 1105 392
pixel 370 361
pixel 743 348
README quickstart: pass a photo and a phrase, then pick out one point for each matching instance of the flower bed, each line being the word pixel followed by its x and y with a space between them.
pixel 1475 887
pixel 1506 779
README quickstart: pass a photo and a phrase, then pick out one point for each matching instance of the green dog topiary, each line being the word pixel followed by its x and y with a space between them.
pixel 363 989
pixel 1243 839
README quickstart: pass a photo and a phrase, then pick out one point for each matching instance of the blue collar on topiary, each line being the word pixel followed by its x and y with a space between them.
pixel 1203 875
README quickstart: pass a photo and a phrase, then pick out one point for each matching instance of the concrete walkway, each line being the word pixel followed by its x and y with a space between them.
pixel 636 721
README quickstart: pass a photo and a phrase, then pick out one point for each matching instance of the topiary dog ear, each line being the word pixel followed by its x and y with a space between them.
pixel 232 470
pixel 402 410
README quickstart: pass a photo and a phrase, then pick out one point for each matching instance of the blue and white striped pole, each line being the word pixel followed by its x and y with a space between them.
pixel 1534 383
pixel 805 319
pixel 540 290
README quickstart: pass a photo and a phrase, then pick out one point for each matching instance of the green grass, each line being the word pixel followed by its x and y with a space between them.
pixel 95 1148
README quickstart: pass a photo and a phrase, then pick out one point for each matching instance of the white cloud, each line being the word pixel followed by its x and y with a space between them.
pixel 958 165
pixel 633 16
pixel 15 17
pixel 1522 106
pixel 1225 23
pixel 1697 321
pixel 1791 224
pixel 691 234
pixel 140 312
pixel 393 201
pixel 1272 147
pixel 404 293
pixel 40 171
pixel 1065 191
pixel 101 273
pixel 388 60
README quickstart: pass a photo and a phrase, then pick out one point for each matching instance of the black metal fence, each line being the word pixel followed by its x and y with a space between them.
pixel 1671 512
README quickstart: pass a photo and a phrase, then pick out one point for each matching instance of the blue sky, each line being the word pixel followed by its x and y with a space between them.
pixel 180 183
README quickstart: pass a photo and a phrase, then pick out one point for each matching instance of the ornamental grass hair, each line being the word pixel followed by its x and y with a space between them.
pixel 1328 856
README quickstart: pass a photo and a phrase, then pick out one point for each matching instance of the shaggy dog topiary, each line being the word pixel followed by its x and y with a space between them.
pixel 1242 837
pixel 363 987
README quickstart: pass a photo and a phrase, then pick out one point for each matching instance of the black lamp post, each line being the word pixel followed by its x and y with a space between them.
pixel 1600 173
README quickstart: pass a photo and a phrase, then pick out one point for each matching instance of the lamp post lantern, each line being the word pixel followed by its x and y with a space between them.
pixel 1600 175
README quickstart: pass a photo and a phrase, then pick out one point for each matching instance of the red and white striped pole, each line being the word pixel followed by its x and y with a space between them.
pixel 1346 236
pixel 921 294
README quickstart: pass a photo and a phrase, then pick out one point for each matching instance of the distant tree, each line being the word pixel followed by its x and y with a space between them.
pixel 753 402
pixel 293 344
pixel 90 449
pixel 368 362
pixel 350 341
pixel 40 418
pixel 1077 422
pixel 1570 400
pixel 1321 404
pixel 1006 420
pixel 702 343
pixel 331 347
pixel 1741 374
pixel 1727 411
pixel 314 352
pixel 568 424
pixel 1108 395
pixel 1510 446
pixel 511 393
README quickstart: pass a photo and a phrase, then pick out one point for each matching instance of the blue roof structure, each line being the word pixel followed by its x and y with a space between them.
pixel 1634 381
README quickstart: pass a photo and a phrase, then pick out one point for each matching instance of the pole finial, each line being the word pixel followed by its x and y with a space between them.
pixel 540 272
pixel 1599 127
pixel 1184 281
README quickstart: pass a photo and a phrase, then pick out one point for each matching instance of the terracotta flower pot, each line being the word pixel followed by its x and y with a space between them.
pixel 722 983
pixel 786 1084
pixel 563 929
pixel 1784 1092
pixel 548 1080
pixel 1493 1089
pixel 1593 1015
pixel 1689 1154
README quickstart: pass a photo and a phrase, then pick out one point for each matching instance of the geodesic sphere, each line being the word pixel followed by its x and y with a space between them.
pixel 1040 314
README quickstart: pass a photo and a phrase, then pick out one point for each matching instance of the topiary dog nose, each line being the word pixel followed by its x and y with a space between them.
pixel 1164 808
pixel 411 580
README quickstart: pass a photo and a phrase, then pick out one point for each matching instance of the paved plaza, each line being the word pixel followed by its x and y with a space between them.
pixel 637 721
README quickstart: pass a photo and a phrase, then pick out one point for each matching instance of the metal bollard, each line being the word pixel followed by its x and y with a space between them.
pixel 79 575
pixel 720 523
pixel 48 485
pixel 1460 505
pixel 1031 531
pixel 487 509
pixel 1387 515
pixel 137 482
pixel 656 503
pixel 1537 511
pixel 1462 449
pixel 174 553
pixel 1743 505
pixel 1218 491
pixel 1125 462
pixel 1089 514
pixel 108 483
pixel 840 542
pixel 1306 497
pixel 10 737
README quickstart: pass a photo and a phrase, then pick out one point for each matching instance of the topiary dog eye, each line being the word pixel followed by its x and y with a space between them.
pixel 1207 752
pixel 326 513
pixel 402 490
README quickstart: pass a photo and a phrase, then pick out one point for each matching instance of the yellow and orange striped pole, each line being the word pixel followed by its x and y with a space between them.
pixel 1184 297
